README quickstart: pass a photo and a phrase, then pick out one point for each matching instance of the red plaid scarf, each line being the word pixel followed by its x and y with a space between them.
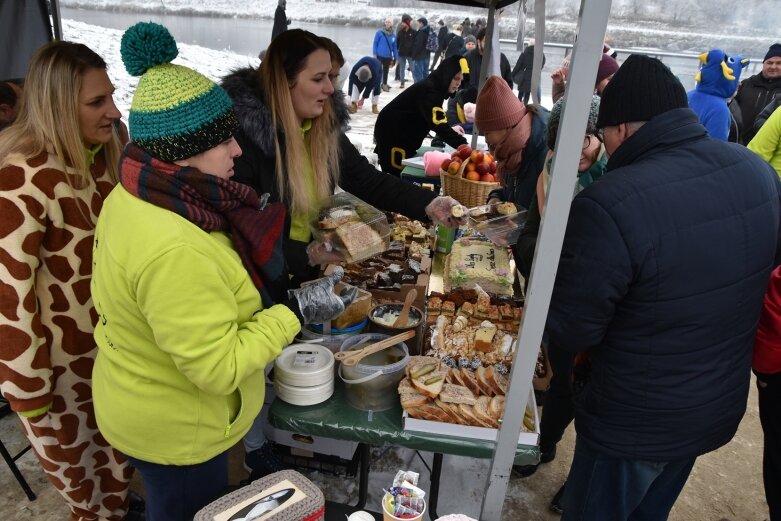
pixel 213 203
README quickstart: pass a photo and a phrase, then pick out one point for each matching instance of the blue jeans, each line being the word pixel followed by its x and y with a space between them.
pixel 176 493
pixel 255 437
pixel 420 68
pixel 401 68
pixel 601 487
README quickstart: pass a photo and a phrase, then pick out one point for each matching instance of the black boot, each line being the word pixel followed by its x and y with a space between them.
pixel 546 456
pixel 555 503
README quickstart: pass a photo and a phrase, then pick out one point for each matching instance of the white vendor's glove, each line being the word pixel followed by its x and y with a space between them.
pixel 440 211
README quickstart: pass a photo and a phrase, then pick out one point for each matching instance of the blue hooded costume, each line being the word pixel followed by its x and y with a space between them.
pixel 717 80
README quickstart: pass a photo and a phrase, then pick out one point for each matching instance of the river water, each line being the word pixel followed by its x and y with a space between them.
pixel 250 36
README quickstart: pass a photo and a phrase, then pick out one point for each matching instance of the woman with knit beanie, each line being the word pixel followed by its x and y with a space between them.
pixel 189 286
pixel 57 164
pixel 558 408
pixel 516 136
pixel 294 148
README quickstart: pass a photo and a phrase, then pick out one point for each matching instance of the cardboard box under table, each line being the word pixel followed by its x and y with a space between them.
pixel 335 418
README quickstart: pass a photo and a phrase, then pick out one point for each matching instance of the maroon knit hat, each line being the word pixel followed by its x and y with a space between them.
pixel 498 107
pixel 607 67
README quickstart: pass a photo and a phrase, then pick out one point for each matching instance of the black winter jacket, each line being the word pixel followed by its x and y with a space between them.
pixel 256 166
pixel 405 41
pixel 522 72
pixel 661 280
pixel 766 113
pixel 419 50
pixel 407 119
pixel 454 45
pixel 475 60
pixel 753 95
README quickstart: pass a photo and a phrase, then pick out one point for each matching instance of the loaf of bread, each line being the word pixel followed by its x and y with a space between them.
pixel 360 240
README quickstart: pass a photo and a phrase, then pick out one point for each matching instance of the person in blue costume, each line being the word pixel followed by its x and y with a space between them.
pixel 717 80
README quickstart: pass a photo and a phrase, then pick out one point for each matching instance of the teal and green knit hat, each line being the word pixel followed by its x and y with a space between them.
pixel 176 112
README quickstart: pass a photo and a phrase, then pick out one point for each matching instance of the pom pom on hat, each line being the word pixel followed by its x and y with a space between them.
pixel 145 45
pixel 498 107
pixel 555 118
pixel 642 88
pixel 773 52
pixel 176 112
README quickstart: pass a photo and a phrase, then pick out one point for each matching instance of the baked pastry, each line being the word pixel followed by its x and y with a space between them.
pixel 360 240
pixel 506 208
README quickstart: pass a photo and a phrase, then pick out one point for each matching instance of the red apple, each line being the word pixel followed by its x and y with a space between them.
pixel 472 176
pixel 476 156
pixel 487 178
pixel 445 164
pixel 492 167
pixel 482 168
pixel 464 151
pixel 453 167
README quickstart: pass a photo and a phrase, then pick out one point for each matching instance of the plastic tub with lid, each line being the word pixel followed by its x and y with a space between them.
pixel 371 385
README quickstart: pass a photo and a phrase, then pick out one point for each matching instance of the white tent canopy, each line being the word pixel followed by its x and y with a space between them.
pixel 18 45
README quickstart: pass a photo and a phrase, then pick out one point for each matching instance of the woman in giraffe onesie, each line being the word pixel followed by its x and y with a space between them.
pixel 58 162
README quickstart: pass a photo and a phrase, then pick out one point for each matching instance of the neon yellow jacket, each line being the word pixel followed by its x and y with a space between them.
pixel 179 373
pixel 767 142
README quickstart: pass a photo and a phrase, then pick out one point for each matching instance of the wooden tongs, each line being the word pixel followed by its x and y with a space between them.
pixel 351 358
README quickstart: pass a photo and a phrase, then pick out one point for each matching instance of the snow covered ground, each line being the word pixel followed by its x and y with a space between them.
pixel 211 63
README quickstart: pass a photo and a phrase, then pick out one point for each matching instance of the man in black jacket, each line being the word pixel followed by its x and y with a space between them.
pixel 405 39
pixel 475 58
pixel 757 91
pixel 441 45
pixel 281 21
pixel 421 56
pixel 661 280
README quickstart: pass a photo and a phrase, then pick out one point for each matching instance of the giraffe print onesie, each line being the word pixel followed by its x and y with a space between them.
pixel 46 325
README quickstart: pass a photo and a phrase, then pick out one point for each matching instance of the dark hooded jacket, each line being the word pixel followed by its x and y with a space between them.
pixel 753 95
pixel 475 61
pixel 405 41
pixel 662 276
pixel 407 119
pixel 256 166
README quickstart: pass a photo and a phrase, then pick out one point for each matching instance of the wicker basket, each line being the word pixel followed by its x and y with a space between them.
pixel 469 193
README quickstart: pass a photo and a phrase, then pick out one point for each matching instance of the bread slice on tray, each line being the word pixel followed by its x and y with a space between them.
pixel 496 380
pixel 451 411
pixel 419 362
pixel 480 410
pixel 360 240
pixel 457 394
pixel 482 382
pixel 469 379
pixel 467 411
pixel 496 407
pixel 430 383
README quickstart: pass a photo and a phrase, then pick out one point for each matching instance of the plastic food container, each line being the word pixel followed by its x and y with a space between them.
pixel 501 229
pixel 355 228
pixel 388 516
pixel 314 333
pixel 304 374
pixel 371 385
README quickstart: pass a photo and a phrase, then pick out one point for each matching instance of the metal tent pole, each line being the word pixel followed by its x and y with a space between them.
pixel 539 47
pixel 488 63
pixel 592 22
pixel 56 20
pixel 521 25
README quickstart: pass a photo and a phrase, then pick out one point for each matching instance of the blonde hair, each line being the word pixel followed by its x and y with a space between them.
pixel 48 119
pixel 285 59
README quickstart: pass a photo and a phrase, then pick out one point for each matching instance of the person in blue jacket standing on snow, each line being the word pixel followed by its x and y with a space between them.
pixel 386 50
pixel 717 80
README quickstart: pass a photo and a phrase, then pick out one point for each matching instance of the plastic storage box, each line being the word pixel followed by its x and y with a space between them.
pixel 355 228
pixel 501 229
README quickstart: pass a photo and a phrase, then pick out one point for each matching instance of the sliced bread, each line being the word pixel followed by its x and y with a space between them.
pixel 482 382
pixel 430 383
pixel 480 410
pixel 451 411
pixel 496 407
pixel 469 379
pixel 413 399
pixel 457 394
pixel 467 411
pixel 497 381
pixel 418 364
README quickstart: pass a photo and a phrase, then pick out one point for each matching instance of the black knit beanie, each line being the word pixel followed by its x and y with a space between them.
pixel 642 88
pixel 773 52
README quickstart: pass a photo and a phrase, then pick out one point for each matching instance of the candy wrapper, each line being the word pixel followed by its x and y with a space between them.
pixel 405 475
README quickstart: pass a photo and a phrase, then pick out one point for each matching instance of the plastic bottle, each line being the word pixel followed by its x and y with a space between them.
pixel 445 238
